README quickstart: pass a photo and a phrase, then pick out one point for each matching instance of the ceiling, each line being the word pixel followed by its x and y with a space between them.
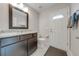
pixel 39 6
pixel 43 6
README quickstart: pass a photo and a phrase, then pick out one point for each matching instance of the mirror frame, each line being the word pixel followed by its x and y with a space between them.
pixel 11 18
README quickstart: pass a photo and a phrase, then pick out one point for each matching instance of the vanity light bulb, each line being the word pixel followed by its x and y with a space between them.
pixel 14 4
pixel 20 6
pixel 25 9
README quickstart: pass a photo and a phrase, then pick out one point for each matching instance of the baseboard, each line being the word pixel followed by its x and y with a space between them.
pixel 69 53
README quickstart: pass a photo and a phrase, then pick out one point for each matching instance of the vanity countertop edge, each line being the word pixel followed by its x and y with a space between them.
pixel 4 35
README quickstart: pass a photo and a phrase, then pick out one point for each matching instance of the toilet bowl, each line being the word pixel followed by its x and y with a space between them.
pixel 42 42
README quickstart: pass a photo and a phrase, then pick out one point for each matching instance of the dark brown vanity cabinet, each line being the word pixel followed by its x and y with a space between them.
pixel 13 46
pixel 21 45
pixel 9 40
pixel 17 49
pixel 32 44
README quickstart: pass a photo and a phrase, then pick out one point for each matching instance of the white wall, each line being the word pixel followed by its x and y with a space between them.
pixel 44 21
pixel 45 17
pixel 74 33
pixel 3 16
pixel 4 19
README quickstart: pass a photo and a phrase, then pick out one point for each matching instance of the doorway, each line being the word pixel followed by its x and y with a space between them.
pixel 58 29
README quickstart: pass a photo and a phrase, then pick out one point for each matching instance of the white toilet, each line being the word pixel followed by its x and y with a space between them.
pixel 42 41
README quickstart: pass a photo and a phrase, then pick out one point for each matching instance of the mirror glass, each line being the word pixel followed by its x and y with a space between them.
pixel 18 18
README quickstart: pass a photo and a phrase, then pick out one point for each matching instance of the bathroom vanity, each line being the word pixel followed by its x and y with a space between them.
pixel 18 39
pixel 18 45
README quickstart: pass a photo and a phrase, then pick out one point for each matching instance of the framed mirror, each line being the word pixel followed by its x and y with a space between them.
pixel 18 19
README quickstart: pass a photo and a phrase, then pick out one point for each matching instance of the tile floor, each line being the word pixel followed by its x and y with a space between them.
pixel 40 51
pixel 42 48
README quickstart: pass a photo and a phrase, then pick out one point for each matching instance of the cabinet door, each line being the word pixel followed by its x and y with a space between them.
pixel 18 49
pixel 10 40
pixel 32 45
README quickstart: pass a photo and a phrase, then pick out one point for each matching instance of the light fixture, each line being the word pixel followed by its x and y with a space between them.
pixel 20 6
pixel 25 9
pixel 58 17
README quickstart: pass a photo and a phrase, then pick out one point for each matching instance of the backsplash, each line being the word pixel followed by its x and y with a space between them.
pixel 14 30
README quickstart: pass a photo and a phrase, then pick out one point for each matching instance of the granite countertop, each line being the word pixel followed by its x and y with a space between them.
pixel 8 34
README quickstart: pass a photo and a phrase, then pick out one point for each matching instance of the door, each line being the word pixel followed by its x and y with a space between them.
pixel 58 29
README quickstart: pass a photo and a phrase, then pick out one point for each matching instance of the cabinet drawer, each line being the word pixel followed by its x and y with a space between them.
pixel 24 37
pixel 10 40
pixel 34 35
